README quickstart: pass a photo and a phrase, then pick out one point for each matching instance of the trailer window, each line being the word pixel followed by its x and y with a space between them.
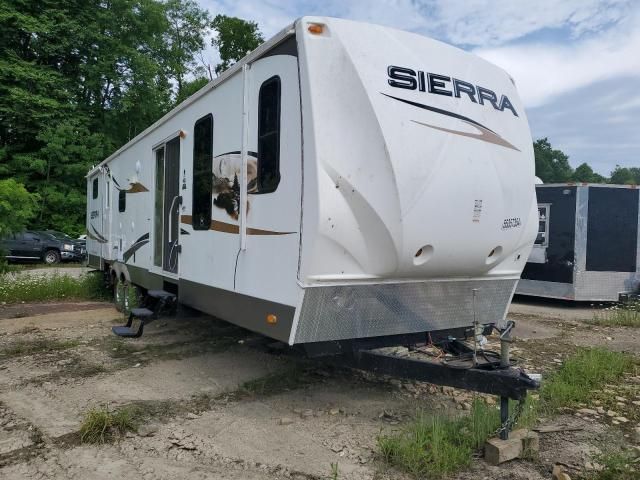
pixel 94 190
pixel 269 136
pixel 543 225
pixel 202 173
pixel 122 201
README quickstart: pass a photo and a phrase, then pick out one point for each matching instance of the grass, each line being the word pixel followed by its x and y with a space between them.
pixel 33 288
pixel 433 446
pixel 616 466
pixel 101 425
pixel 587 370
pixel 21 348
pixel 623 315
pixel 334 471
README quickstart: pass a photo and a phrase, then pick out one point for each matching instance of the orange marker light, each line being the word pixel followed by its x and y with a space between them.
pixel 272 319
pixel 315 28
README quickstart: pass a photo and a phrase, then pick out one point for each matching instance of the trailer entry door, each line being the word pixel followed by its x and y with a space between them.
pixel 167 206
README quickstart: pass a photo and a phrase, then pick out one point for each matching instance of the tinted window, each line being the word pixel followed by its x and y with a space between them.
pixel 95 188
pixel 269 136
pixel 122 201
pixel 30 237
pixel 202 172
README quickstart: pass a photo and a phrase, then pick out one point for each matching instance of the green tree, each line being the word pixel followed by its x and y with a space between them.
pixel 190 87
pixel 584 173
pixel 79 79
pixel 625 176
pixel 551 165
pixel 187 26
pixel 235 39
pixel 17 206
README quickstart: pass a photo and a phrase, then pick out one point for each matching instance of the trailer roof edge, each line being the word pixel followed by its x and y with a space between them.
pixel 254 55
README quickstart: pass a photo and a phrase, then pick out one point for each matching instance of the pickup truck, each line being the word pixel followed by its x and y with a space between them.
pixel 33 246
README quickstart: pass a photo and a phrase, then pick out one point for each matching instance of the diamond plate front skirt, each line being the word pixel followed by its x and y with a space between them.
pixel 359 311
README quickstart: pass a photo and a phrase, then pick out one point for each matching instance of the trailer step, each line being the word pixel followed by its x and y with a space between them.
pixel 142 312
pixel 127 332
pixel 156 303
pixel 161 294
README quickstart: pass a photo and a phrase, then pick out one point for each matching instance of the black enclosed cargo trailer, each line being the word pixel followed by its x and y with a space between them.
pixel 587 247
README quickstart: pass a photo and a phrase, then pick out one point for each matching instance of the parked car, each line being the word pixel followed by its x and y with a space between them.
pixel 79 246
pixel 33 246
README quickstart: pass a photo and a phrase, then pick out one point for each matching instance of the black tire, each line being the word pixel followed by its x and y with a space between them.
pixel 51 257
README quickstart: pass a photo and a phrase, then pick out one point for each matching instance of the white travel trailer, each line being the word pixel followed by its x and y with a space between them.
pixel 343 181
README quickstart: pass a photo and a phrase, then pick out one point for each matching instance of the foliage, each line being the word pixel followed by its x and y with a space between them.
pixel 79 79
pixel 625 176
pixel 433 446
pixel 551 165
pixel 187 26
pixel 235 39
pixel 24 287
pixel 189 87
pixel 101 425
pixel 617 465
pixel 17 206
pixel 584 173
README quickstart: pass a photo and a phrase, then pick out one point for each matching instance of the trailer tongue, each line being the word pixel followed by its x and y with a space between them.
pixel 463 367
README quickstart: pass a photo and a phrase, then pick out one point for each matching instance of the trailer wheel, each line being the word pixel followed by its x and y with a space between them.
pixel 51 257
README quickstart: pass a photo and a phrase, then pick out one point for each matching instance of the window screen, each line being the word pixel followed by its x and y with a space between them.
pixel 122 201
pixel 94 190
pixel 202 173
pixel 269 135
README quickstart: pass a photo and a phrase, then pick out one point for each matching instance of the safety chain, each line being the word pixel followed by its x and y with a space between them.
pixel 512 421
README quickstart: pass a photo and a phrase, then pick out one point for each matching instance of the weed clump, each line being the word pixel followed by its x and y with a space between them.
pixel 616 466
pixel 588 370
pixel 433 446
pixel 101 425
pixel 21 348
pixel 622 315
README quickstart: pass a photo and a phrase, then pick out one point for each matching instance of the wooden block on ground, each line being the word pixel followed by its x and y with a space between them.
pixel 498 451
pixel 520 442
pixel 530 442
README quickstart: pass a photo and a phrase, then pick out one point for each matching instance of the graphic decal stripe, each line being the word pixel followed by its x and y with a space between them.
pixel 485 135
pixel 440 111
pixel 232 228
pixel 143 240
pixel 237 152
pixel 96 235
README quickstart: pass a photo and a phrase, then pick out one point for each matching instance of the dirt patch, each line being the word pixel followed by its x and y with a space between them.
pixel 32 309
pixel 212 406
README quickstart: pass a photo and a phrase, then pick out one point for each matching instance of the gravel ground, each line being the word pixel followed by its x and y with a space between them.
pixel 220 408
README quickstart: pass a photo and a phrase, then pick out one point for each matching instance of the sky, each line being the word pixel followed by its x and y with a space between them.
pixel 576 62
